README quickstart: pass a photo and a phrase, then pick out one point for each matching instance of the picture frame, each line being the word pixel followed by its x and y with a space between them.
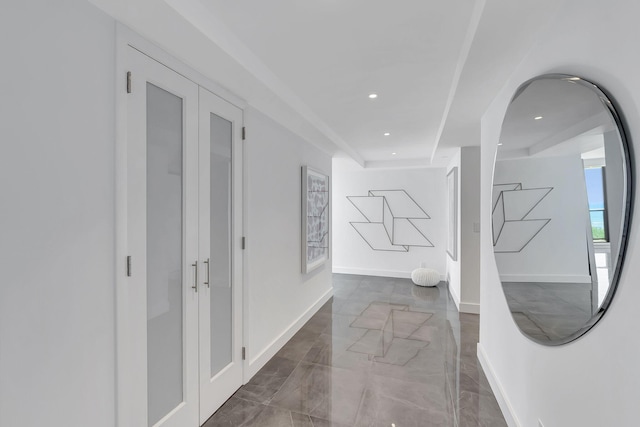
pixel 316 218
pixel 452 194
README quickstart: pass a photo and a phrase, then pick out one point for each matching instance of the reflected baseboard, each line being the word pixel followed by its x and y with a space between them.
pixel 546 278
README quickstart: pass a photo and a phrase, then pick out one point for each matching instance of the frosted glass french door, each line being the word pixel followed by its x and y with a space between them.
pixel 162 240
pixel 180 321
pixel 220 232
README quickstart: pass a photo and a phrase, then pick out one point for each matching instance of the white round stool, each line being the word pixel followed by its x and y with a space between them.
pixel 425 277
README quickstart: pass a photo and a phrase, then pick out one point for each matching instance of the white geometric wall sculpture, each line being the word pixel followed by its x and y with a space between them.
pixel 395 222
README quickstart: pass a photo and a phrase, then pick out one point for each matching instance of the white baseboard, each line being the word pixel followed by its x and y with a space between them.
pixel 464 307
pixel 469 307
pixel 369 272
pixel 546 278
pixel 379 273
pixel 507 410
pixel 266 354
pixel 454 296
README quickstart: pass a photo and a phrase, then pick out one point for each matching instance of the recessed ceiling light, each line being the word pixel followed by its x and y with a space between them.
pixel 373 95
pixel 499 143
pixel 387 134
pixel 393 154
pixel 537 118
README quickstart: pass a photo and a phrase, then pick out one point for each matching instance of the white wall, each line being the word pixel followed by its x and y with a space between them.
pixel 352 254
pixel 57 116
pixel 280 297
pixel 453 266
pixel 57 352
pixel 593 381
pixel 558 253
pixel 464 271
pixel 469 211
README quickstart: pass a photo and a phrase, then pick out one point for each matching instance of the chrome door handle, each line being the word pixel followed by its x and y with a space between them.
pixel 195 277
pixel 207 282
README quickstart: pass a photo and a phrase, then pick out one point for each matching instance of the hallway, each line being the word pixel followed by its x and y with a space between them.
pixel 381 352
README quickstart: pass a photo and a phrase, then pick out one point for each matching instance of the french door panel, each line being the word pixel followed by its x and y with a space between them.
pixel 220 231
pixel 162 236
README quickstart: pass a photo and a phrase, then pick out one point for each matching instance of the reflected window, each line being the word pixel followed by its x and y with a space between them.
pixel 597 203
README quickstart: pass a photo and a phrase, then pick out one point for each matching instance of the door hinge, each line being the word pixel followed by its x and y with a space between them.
pixel 244 353
pixel 244 133
pixel 128 81
pixel 128 265
pixel 244 242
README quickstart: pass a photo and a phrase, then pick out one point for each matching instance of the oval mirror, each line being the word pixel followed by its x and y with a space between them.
pixel 561 203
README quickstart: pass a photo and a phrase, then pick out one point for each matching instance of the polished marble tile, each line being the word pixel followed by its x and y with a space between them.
pixel 301 420
pixel 271 416
pixel 325 392
pixel 424 395
pixel 424 294
pixel 319 323
pixel 319 422
pixel 381 310
pixel 426 333
pixel 236 413
pixel 346 289
pixel 381 352
pixel 406 323
pixel 401 351
pixel 369 322
pixel 334 351
pixel 299 345
pixel 470 418
pixel 352 307
pixel 268 380
pixel 342 326
pixel 381 410
pixel 372 343
pixel 240 413
pixel 385 286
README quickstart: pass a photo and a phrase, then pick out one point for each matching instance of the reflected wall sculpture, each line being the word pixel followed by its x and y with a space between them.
pixel 513 229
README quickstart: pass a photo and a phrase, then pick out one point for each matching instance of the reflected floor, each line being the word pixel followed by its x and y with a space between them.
pixel 549 311
pixel 381 352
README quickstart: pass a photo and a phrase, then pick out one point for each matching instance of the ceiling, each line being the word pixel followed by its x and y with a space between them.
pixel 554 117
pixel 311 65
pixel 550 111
pixel 333 54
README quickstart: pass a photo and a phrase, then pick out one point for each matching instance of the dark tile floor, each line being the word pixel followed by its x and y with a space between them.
pixel 381 352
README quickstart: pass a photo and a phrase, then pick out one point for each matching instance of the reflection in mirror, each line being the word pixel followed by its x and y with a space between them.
pixel 561 201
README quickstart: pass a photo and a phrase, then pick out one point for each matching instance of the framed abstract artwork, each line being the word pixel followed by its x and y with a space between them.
pixel 452 192
pixel 316 194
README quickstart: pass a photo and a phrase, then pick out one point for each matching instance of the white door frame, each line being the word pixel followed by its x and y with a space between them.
pixel 126 39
